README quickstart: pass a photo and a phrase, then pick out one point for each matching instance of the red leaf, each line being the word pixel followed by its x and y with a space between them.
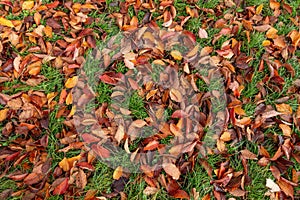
pixel 101 151
pixel 62 187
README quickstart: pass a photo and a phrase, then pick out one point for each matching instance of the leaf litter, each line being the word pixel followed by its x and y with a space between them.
pixel 37 36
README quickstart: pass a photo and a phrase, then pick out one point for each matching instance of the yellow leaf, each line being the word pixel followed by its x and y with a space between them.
pixel 266 43
pixel 72 112
pixel 64 164
pixel 69 99
pixel 27 5
pixel 71 82
pixel 176 55
pixel 259 9
pixel 118 173
pixel 6 22
pixel 3 114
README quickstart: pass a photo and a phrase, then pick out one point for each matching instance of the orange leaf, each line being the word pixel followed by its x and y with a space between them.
pixel 71 82
pixel 3 114
pixel 226 136
pixel 69 99
pixel 286 130
pixel 284 108
pixel 272 33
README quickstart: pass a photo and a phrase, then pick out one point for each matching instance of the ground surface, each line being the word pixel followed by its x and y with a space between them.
pixel 45 46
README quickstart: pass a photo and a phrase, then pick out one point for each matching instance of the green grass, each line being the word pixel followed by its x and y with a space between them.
pixel 137 107
pixel 101 179
pixel 257 188
pixel 103 93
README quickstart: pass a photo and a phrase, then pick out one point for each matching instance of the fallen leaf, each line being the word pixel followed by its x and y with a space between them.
pixel 118 173
pixel 150 191
pixel 3 114
pixel 71 82
pixel 27 5
pixel 202 33
pixel 248 154
pixel 286 130
pixel 284 108
pixel 172 170
pixel 272 185
pixel 272 33
pixel 259 9
pixel 175 95
pixel 176 55
pixel 62 187
pixel 6 22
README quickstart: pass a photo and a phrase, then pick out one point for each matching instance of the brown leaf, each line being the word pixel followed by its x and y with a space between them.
pixel 101 151
pixel 81 179
pixel 237 192
pixel 175 95
pixel 180 194
pixel 33 178
pixel 286 188
pixel 172 170
pixel 248 154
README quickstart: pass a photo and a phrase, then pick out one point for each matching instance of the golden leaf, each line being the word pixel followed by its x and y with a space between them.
pixel 27 5
pixel 6 22
pixel 259 9
pixel 3 114
pixel 176 55
pixel 71 82
pixel 118 173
